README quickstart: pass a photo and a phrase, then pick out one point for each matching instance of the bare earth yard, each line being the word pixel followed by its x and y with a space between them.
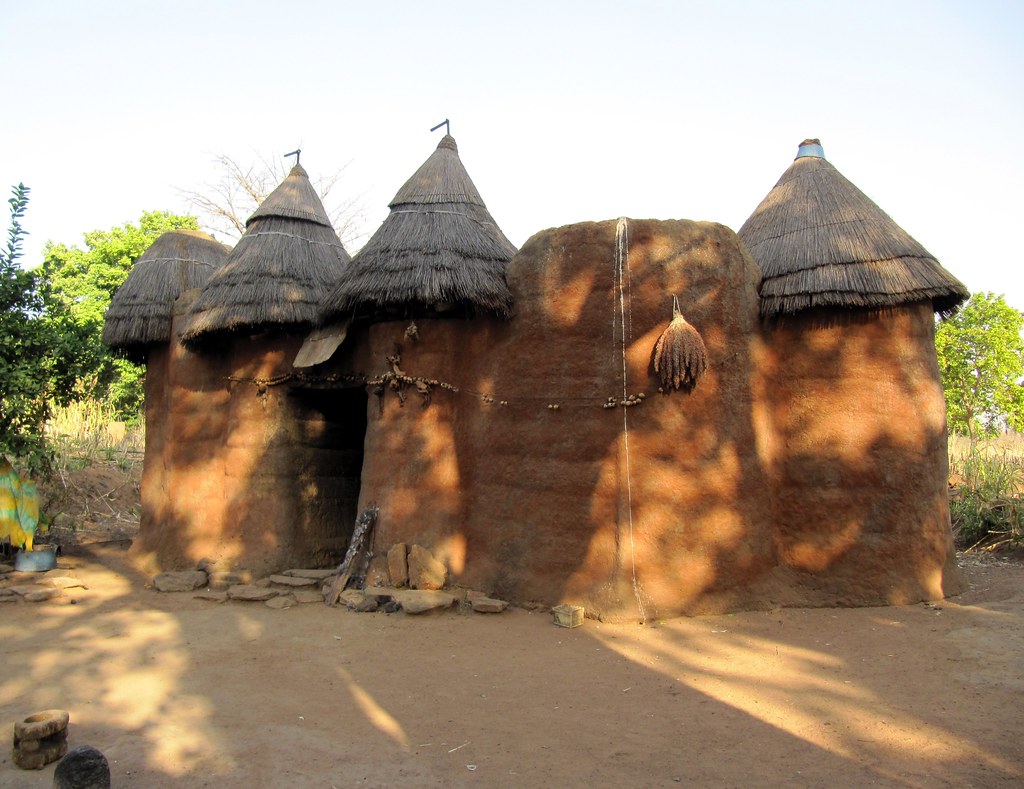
pixel 181 692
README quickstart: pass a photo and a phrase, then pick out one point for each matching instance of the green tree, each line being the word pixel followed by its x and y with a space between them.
pixel 24 380
pixel 79 284
pixel 981 358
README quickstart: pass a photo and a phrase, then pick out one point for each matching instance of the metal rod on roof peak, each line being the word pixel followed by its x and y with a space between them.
pixel 296 153
pixel 447 126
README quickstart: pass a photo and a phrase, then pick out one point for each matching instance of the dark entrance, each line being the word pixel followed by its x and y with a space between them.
pixel 333 428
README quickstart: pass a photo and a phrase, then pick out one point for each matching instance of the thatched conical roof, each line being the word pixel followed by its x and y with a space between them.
pixel 141 309
pixel 439 245
pixel 280 270
pixel 821 242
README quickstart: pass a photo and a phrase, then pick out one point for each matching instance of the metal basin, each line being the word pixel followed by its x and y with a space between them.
pixel 36 561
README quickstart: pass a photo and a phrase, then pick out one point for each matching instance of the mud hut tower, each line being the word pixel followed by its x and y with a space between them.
pixel 251 465
pixel 140 325
pixel 438 252
pixel 426 295
pixel 139 317
pixel 853 419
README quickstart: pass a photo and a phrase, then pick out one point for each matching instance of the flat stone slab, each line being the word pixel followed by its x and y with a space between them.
pixel 182 581
pixel 420 601
pixel 292 580
pixel 307 596
pixel 213 595
pixel 318 575
pixel 61 582
pixel 488 605
pixel 281 601
pixel 47 593
pixel 251 592
pixel 223 579
pixel 24 589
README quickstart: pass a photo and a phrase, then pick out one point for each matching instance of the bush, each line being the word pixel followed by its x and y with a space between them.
pixel 987 508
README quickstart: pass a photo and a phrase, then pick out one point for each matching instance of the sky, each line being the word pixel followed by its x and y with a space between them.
pixel 563 111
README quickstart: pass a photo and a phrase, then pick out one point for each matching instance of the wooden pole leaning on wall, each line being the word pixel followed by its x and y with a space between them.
pixel 355 556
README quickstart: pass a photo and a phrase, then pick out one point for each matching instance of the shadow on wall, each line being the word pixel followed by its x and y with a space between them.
pixel 245 470
pixel 806 468
pixel 858 459
pixel 632 510
pixel 520 476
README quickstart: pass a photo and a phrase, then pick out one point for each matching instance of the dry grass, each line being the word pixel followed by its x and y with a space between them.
pixel 987 502
pixel 86 433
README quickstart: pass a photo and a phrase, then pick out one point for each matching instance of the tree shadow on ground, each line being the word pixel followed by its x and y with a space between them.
pixel 182 692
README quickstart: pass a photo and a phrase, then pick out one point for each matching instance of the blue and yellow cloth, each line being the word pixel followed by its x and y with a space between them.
pixel 19 507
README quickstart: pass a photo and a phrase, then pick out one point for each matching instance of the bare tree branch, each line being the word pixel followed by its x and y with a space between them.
pixel 224 205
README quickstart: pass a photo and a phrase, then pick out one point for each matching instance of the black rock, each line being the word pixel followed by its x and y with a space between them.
pixel 83 767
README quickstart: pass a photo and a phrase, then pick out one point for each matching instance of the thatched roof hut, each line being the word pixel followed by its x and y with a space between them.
pixel 141 310
pixel 821 242
pixel 279 272
pixel 437 248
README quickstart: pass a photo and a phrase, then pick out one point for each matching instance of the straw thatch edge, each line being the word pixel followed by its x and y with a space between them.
pixel 277 276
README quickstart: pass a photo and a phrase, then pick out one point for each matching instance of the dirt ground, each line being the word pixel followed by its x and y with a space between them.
pixel 181 692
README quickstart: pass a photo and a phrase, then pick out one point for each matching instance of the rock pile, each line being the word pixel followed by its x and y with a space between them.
pixel 35 587
pixel 414 583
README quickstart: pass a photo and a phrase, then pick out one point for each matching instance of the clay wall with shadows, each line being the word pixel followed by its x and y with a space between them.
pixel 852 421
pixel 241 468
pixel 807 467
pixel 528 486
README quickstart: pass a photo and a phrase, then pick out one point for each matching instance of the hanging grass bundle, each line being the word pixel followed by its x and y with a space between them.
pixel 680 358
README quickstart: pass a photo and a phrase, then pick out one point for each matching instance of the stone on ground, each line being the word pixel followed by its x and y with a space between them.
pixel 398 564
pixel 293 580
pixel 488 605
pixel 281 601
pixel 213 595
pixel 223 579
pixel 47 593
pixel 181 581
pixel 251 592
pixel 319 575
pixel 61 581
pixel 425 572
pixel 420 601
pixel 83 767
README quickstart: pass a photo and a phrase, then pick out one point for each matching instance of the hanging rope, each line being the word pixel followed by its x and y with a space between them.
pixel 621 272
